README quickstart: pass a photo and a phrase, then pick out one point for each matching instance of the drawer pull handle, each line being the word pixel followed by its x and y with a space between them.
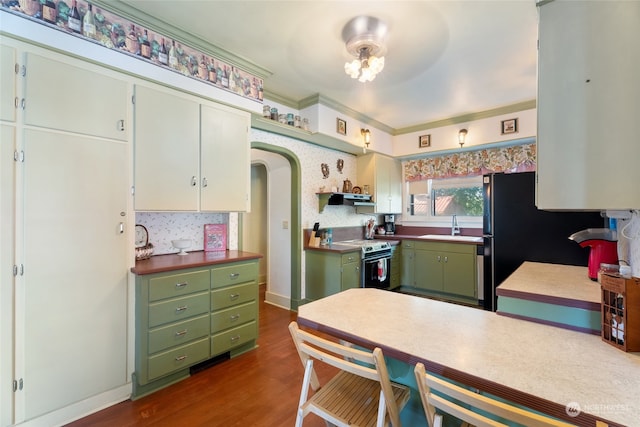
pixel 181 333
pixel 234 275
pixel 233 296
pixel 234 317
pixel 181 285
pixel 236 338
pixel 181 358
pixel 182 308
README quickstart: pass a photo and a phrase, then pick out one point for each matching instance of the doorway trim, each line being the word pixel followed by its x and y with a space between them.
pixel 295 221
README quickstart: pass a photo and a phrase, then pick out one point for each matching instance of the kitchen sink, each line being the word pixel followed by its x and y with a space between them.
pixel 456 238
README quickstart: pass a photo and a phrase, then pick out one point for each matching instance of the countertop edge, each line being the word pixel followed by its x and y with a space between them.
pixel 548 299
pixel 170 262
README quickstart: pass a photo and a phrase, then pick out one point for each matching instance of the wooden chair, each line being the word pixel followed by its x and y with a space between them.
pixel 428 383
pixel 361 394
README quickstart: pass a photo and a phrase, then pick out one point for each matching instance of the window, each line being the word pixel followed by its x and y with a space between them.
pixel 438 199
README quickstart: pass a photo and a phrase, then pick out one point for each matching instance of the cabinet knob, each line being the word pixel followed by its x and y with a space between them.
pixel 181 333
pixel 181 308
pixel 181 358
pixel 234 275
pixel 181 285
pixel 233 296
pixel 194 182
pixel 234 317
pixel 205 183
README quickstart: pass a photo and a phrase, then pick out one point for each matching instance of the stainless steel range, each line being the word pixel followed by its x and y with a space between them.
pixel 376 262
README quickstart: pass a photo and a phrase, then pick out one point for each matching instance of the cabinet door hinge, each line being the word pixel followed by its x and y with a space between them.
pixel 133 190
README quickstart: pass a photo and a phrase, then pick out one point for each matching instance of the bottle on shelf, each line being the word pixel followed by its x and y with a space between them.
pixel 49 12
pixel 73 22
pixel 145 46
pixel 89 23
pixel 225 77
pixel 173 55
pixel 163 57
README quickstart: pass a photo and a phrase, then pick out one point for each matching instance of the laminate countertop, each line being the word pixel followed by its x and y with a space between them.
pixel 542 367
pixel 561 284
pixel 169 262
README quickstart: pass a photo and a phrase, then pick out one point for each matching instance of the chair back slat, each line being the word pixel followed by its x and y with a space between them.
pixel 427 383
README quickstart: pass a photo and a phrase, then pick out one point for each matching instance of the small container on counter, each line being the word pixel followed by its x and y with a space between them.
pixel 266 112
pixel 274 113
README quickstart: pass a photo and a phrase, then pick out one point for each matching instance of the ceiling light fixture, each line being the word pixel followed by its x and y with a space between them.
pixel 364 37
pixel 462 135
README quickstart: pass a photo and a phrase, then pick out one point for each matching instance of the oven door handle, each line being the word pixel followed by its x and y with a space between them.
pixel 377 257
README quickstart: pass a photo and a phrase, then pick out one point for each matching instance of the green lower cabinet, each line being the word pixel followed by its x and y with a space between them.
pixel 328 273
pixel 396 266
pixel 447 270
pixel 184 317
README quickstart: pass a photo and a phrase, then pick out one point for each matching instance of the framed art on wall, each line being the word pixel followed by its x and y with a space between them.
pixel 424 141
pixel 509 126
pixel 341 126
pixel 215 237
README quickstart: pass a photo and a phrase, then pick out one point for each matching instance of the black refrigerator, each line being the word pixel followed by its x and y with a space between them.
pixel 515 231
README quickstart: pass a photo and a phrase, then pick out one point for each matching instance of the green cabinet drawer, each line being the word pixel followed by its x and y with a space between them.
pixel 234 316
pixel 227 340
pixel 232 295
pixel 178 333
pixel 178 309
pixel 351 257
pixel 463 248
pixel 178 358
pixel 175 285
pixel 234 274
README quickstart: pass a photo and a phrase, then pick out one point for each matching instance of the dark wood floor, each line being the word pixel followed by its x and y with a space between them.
pixel 258 388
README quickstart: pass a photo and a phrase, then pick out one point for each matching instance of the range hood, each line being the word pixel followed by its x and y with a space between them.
pixel 344 199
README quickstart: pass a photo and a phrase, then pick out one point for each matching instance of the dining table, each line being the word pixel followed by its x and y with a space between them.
pixel 566 374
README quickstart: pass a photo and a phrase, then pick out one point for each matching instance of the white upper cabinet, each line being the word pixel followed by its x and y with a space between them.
pixel 588 105
pixel 8 64
pixel 225 159
pixel 167 140
pixel 94 104
pixel 383 175
pixel 190 154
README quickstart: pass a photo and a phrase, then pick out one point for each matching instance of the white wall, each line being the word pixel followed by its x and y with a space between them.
pixel 278 212
pixel 483 131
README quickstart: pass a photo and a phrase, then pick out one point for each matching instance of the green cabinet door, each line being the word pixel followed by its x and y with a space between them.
pixel 429 270
pixel 407 276
pixel 459 274
pixel 350 277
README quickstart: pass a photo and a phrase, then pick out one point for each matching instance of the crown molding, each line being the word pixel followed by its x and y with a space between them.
pixel 288 102
pixel 335 105
pixel 507 109
pixel 161 27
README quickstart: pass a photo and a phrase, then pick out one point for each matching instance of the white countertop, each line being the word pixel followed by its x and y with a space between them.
pixel 553 280
pixel 554 364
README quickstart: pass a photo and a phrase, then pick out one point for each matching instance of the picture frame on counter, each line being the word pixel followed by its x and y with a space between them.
pixel 341 126
pixel 424 141
pixel 215 237
pixel 509 126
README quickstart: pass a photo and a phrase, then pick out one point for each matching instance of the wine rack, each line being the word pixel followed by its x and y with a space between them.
pixel 620 313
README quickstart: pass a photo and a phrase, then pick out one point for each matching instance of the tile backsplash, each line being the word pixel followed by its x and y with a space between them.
pixel 163 227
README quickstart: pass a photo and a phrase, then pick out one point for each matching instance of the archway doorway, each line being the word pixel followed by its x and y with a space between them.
pixel 293 223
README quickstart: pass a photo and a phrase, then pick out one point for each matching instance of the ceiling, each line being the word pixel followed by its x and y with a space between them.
pixel 444 58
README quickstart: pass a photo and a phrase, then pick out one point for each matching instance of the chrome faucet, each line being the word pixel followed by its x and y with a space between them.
pixel 455 228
